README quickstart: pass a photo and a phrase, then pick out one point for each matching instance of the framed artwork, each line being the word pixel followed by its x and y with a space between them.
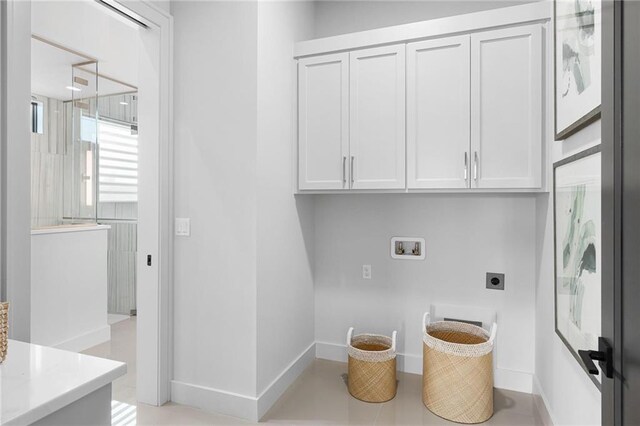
pixel 577 235
pixel 577 67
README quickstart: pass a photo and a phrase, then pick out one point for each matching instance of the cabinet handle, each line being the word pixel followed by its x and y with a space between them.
pixel 352 173
pixel 466 167
pixel 475 165
pixel 344 170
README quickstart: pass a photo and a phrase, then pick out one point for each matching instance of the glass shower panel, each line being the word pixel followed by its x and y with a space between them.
pixel 81 159
pixel 118 189
pixel 64 87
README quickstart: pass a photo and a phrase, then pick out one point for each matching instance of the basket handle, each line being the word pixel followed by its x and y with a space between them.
pixel 426 320
pixel 349 335
pixel 393 340
pixel 494 331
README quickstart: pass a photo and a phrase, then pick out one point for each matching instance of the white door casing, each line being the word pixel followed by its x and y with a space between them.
pixel 155 204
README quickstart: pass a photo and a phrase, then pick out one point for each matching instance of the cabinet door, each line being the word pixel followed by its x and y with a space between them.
pixel 323 122
pixel 377 121
pixel 438 113
pixel 506 111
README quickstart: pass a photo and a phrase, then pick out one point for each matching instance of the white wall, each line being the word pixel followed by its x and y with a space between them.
pixel 243 281
pixel 466 236
pixel 163 5
pixel 215 83
pixel 340 17
pixel 285 223
pixel 569 394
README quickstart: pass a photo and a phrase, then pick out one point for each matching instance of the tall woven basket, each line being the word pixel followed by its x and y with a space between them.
pixel 372 366
pixel 4 329
pixel 457 380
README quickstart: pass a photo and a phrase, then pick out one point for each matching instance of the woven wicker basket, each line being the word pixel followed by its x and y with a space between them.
pixel 4 329
pixel 372 366
pixel 457 380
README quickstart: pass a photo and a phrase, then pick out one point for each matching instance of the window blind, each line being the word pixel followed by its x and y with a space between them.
pixel 118 162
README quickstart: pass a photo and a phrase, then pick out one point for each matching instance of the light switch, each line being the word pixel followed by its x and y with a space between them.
pixel 366 272
pixel 183 226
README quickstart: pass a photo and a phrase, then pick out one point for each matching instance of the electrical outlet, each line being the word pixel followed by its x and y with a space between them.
pixel 183 227
pixel 366 272
pixel 495 281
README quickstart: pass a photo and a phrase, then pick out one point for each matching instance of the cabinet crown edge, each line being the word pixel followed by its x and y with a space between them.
pixel 541 11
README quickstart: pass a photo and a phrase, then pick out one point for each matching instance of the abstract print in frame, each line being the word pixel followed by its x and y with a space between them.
pixel 577 219
pixel 578 57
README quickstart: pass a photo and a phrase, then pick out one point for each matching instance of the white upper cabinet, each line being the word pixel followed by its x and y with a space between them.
pixel 506 108
pixel 377 118
pixel 323 122
pixel 454 104
pixel 438 113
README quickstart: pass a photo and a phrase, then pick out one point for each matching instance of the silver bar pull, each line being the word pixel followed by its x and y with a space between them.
pixel 466 167
pixel 475 165
pixel 352 179
pixel 344 170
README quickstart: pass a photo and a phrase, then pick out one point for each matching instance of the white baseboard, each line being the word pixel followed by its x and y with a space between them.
pixel 503 379
pixel 254 408
pixel 237 405
pixel 87 340
pixel 116 318
pixel 215 400
pixel 542 404
pixel 280 384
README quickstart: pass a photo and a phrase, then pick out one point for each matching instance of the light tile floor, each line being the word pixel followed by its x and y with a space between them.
pixel 318 397
pixel 114 318
pixel 121 347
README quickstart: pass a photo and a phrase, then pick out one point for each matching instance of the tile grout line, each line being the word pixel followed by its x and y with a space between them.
pixel 375 421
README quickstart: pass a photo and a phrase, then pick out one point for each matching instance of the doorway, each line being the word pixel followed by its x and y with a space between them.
pixel 154 242
pixel 84 189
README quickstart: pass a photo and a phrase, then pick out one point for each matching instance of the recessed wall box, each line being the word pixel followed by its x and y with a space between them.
pixel 409 248
pixel 495 281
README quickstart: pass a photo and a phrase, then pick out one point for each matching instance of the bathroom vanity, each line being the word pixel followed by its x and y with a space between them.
pixel 69 286
pixel 43 385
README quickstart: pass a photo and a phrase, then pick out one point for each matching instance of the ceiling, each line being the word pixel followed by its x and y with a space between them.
pixel 77 31
pixel 51 70
pixel 56 73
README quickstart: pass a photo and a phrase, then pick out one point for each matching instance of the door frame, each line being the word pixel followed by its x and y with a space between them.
pixel 155 318
pixel 612 208
pixel 621 207
pixel 15 165
pixel 15 236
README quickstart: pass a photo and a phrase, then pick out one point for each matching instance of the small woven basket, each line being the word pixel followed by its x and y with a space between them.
pixel 457 379
pixel 4 329
pixel 372 366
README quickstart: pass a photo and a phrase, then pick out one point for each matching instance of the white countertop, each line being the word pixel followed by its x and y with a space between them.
pixel 36 381
pixel 69 228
